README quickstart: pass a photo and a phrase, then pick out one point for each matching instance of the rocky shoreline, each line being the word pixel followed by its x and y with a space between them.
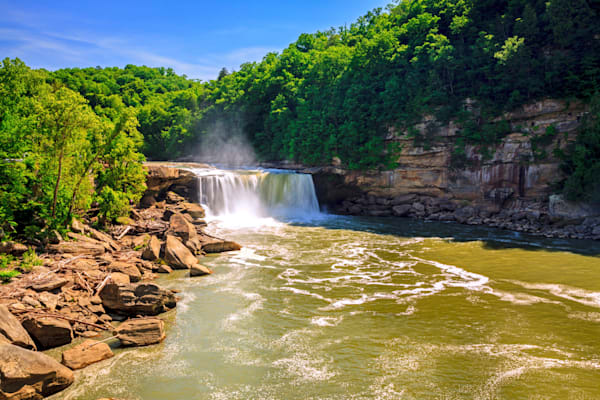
pixel 535 218
pixel 97 283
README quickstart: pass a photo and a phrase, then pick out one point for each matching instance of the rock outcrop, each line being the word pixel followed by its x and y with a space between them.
pixel 30 375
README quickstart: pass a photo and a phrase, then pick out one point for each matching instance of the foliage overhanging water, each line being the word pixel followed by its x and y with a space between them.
pixel 330 307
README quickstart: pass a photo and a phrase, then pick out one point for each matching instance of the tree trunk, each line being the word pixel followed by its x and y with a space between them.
pixel 60 159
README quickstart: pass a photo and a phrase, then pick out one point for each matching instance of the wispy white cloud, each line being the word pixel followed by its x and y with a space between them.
pixel 50 49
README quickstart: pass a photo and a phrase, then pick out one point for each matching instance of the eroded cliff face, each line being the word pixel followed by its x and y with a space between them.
pixel 511 167
pixel 511 188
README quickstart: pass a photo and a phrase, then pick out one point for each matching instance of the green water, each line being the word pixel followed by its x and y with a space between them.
pixel 351 308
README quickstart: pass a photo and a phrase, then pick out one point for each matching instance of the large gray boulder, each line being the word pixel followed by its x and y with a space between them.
pixel 137 299
pixel 30 375
pixel 12 330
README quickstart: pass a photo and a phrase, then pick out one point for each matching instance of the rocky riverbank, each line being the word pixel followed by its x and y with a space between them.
pixel 93 282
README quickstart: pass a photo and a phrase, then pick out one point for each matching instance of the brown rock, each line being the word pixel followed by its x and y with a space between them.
pixel 152 250
pixel 128 269
pixel 87 248
pixel 141 332
pixel 86 353
pixel 48 283
pixel 119 278
pixel 193 209
pixel 177 255
pixel 134 299
pixel 164 269
pixel 12 330
pixel 48 332
pixel 13 248
pixel 104 238
pixel 182 228
pixel 140 241
pixel 49 300
pixel 173 198
pixel 200 270
pixel 77 226
pixel 30 375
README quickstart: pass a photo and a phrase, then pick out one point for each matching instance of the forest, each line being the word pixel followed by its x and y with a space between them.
pixel 329 94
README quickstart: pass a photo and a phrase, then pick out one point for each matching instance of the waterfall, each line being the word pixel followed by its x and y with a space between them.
pixel 262 193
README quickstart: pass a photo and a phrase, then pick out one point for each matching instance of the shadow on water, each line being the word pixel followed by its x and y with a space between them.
pixel 492 238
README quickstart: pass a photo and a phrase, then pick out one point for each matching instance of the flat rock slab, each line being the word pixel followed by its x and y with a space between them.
pixel 49 283
pixel 86 353
pixel 141 332
pixel 48 332
pixel 12 330
pixel 30 375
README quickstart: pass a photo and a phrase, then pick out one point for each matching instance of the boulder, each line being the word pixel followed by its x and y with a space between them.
pixel 164 269
pixel 13 248
pixel 125 268
pixel 141 332
pixel 152 250
pixel 463 214
pixel 177 255
pixel 140 241
pixel 200 270
pixel 30 375
pixel 134 299
pixel 48 283
pixel 193 209
pixel 174 198
pixel 86 353
pixel 12 330
pixel 119 278
pixel 49 300
pixel 220 246
pixel 401 210
pixel 77 226
pixel 211 244
pixel 48 332
pixel 179 226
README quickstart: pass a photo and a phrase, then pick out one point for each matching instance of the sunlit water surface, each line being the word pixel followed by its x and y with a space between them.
pixel 356 308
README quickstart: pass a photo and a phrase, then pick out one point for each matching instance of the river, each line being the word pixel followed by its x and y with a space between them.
pixel 317 306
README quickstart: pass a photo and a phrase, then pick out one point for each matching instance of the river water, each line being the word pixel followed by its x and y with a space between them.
pixel 329 307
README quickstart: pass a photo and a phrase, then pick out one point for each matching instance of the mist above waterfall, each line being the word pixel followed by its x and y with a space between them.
pixel 226 144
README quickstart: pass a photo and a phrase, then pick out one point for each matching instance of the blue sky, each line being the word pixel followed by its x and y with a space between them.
pixel 196 38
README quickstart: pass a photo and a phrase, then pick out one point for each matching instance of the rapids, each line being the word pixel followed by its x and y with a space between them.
pixel 318 306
